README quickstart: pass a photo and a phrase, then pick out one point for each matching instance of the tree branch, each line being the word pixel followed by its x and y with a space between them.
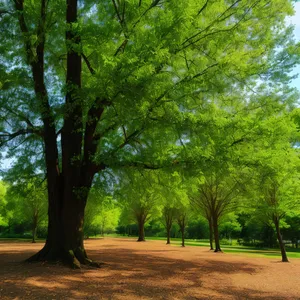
pixel 202 8
pixel 88 64
pixel 6 137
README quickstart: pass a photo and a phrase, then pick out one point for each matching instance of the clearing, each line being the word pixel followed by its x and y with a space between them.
pixel 147 270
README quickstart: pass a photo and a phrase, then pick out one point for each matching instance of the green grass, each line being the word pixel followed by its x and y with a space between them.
pixel 235 248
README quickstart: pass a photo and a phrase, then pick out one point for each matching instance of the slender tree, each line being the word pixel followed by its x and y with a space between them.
pixel 27 202
pixel 279 190
pixel 138 194
pixel 182 215
pixel 168 219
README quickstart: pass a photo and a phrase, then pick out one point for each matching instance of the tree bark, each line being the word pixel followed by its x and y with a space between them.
pixel 182 236
pixel 181 220
pixel 168 220
pixel 216 233
pixel 141 224
pixel 210 234
pixel 68 185
pixel 280 241
pixel 168 235
pixel 65 233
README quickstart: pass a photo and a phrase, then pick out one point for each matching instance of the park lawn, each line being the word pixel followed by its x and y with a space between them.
pixel 234 249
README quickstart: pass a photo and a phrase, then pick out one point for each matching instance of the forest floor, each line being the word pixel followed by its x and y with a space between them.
pixel 147 270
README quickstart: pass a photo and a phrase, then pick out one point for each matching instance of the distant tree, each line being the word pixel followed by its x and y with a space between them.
pixel 216 197
pixel 27 201
pixel 278 183
pixel 197 227
pixel 229 226
pixel 173 193
pixel 292 230
pixel 182 217
pixel 3 202
pixel 138 195
pixel 168 214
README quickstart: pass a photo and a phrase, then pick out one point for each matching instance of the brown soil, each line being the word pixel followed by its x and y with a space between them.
pixel 150 270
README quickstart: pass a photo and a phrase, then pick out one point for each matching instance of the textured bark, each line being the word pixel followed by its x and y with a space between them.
pixel 65 233
pixel 168 236
pixel 182 237
pixel 216 232
pixel 168 221
pixel 210 234
pixel 141 224
pixel 280 241
pixel 181 220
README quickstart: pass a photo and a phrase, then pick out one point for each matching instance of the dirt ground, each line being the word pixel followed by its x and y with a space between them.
pixel 147 270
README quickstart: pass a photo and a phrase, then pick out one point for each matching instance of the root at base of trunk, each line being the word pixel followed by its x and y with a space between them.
pixel 218 250
pixel 75 259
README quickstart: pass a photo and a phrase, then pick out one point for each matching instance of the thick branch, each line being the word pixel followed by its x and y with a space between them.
pixel 36 60
pixel 6 137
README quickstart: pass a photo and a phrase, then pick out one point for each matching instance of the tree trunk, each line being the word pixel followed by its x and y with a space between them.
pixel 65 229
pixel 69 183
pixel 279 237
pixel 182 236
pixel 181 220
pixel 168 235
pixel 141 224
pixel 216 233
pixel 34 229
pixel 210 234
pixel 168 213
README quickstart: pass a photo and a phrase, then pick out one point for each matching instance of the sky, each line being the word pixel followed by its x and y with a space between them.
pixel 295 20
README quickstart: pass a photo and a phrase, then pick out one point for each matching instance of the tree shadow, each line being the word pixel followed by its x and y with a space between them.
pixel 126 273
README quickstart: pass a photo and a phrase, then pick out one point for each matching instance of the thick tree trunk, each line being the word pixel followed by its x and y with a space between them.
pixel 210 234
pixel 280 241
pixel 65 231
pixel 141 224
pixel 216 233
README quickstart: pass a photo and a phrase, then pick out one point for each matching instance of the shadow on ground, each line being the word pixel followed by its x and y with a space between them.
pixel 127 274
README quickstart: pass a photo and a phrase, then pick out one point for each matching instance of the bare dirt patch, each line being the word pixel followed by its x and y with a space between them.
pixel 147 270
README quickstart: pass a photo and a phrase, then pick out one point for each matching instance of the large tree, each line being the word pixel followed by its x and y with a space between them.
pixel 87 85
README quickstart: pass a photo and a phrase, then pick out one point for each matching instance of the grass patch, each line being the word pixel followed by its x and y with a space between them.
pixel 236 249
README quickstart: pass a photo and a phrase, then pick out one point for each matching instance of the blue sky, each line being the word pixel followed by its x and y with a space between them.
pixel 295 20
